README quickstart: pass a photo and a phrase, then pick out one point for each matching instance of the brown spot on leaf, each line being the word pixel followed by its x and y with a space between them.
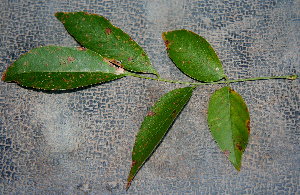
pixel 248 126
pixel 227 153
pixel 70 59
pixel 114 62
pixel 108 31
pixel 151 113
pixel 167 42
pixel 129 59
pixel 81 48
pixel 174 114
pixel 239 147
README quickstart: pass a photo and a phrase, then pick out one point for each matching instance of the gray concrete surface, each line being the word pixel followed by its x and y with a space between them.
pixel 80 142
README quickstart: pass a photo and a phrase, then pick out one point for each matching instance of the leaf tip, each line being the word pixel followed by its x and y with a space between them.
pixel 131 174
pixel 58 15
pixel 237 166
pixel 61 16
pixel 4 76
pixel 128 184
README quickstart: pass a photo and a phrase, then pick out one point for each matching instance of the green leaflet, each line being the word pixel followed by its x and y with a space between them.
pixel 57 68
pixel 229 123
pixel 155 126
pixel 98 34
pixel 193 55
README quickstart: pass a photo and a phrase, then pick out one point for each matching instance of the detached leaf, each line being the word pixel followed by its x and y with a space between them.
pixel 98 34
pixel 155 126
pixel 229 123
pixel 56 68
pixel 193 55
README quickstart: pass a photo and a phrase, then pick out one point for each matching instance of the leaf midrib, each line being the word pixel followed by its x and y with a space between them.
pixel 231 131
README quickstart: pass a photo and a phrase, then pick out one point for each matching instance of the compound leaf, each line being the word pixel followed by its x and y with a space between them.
pixel 57 68
pixel 98 34
pixel 155 126
pixel 229 123
pixel 193 55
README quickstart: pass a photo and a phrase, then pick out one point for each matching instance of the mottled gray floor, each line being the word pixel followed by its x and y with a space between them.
pixel 80 142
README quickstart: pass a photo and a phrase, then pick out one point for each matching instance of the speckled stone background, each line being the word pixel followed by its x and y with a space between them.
pixel 80 142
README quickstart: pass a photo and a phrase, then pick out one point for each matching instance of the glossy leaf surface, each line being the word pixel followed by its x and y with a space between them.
pixel 57 68
pixel 155 126
pixel 193 55
pixel 229 123
pixel 98 34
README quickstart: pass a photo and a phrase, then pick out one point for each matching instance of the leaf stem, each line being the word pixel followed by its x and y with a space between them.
pixel 291 77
